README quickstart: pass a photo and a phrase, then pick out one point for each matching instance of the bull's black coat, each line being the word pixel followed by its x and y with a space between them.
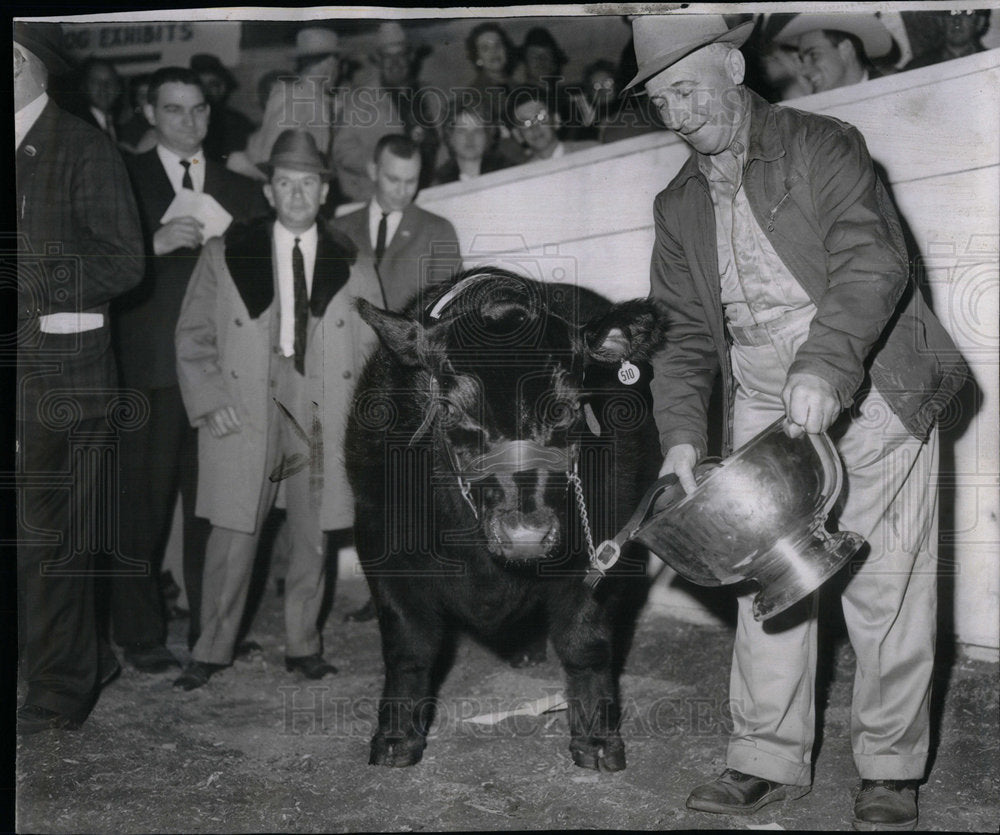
pixel 504 359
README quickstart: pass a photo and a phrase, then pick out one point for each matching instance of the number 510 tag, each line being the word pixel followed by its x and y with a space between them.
pixel 628 373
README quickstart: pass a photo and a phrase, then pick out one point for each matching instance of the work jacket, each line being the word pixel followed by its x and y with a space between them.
pixel 814 193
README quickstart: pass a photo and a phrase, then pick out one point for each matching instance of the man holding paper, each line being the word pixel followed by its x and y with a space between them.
pixel 184 199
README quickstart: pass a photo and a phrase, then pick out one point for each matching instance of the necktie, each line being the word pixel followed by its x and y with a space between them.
pixel 186 182
pixel 301 306
pixel 380 241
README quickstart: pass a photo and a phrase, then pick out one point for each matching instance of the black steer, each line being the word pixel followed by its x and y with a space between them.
pixel 490 440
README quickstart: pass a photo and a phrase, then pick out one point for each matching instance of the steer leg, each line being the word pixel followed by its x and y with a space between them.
pixel 583 642
pixel 410 649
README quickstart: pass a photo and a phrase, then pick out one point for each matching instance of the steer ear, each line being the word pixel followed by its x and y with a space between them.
pixel 401 335
pixel 629 330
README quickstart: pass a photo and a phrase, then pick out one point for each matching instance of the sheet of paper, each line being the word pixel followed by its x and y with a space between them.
pixel 202 207
pixel 555 701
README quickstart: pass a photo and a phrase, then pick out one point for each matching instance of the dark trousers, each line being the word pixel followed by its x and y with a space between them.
pixel 65 478
pixel 158 458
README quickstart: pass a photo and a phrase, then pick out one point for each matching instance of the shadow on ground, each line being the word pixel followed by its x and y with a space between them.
pixel 260 750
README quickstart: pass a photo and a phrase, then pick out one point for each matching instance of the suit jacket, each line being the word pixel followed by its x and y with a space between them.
pixel 145 318
pixel 423 252
pixel 79 245
pixel 226 339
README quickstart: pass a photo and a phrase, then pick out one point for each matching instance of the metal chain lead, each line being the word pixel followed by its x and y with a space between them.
pixel 574 479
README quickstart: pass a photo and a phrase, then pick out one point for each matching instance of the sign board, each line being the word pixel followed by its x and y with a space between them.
pixel 136 47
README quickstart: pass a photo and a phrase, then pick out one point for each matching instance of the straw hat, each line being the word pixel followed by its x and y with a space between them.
pixel 866 27
pixel 662 40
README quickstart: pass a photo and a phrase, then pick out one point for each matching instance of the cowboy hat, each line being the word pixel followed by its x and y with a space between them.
pixel 316 40
pixel 44 41
pixel 662 40
pixel 296 150
pixel 866 27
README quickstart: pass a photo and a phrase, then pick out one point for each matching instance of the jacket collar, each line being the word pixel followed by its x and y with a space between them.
pixel 765 141
pixel 249 258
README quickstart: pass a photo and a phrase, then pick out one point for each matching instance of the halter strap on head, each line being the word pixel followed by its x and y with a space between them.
pixel 518 456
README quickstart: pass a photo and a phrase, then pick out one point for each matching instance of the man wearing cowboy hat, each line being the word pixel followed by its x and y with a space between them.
pixel 801 300
pixel 306 103
pixel 392 102
pixel 836 50
pixel 268 349
pixel 79 246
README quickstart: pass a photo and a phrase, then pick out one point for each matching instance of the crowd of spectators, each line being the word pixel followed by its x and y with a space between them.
pixel 472 127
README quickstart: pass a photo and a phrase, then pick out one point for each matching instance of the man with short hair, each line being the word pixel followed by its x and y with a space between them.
pixel 228 129
pixel 801 298
pixel 836 50
pixel 269 347
pixel 160 457
pixel 101 88
pixel 412 249
pixel 536 127
pixel 79 245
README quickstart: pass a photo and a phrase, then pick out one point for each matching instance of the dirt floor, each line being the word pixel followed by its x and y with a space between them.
pixel 261 750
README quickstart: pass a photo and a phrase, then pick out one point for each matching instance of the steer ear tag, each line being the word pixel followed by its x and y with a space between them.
pixel 628 373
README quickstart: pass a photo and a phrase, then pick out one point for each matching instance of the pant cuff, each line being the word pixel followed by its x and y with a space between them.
pixel 768 766
pixel 891 766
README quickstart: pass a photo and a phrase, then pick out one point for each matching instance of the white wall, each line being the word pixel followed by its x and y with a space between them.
pixel 588 217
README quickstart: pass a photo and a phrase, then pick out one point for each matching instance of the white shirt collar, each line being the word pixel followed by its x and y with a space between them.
pixel 392 222
pixel 25 118
pixel 285 238
pixel 175 171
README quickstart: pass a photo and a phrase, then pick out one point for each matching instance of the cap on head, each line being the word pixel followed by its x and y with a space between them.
pixel 296 150
pixel 662 40
pixel 316 40
pixel 46 42
pixel 867 28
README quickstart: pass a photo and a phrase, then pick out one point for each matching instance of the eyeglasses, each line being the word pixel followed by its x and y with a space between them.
pixel 540 118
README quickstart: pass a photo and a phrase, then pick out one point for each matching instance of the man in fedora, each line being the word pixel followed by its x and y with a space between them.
pixel 308 102
pixel 79 246
pixel 268 349
pixel 801 299
pixel 836 50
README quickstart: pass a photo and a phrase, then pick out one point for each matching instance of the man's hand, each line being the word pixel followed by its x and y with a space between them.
pixel 811 405
pixel 223 421
pixel 680 461
pixel 179 233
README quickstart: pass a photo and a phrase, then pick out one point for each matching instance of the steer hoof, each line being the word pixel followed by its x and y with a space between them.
pixel 607 757
pixel 396 752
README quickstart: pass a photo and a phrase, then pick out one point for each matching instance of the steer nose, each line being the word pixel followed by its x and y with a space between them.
pixel 527 542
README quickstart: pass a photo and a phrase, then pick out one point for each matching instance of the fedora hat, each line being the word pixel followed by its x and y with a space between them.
pixel 45 41
pixel 662 40
pixel 866 27
pixel 316 40
pixel 296 149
